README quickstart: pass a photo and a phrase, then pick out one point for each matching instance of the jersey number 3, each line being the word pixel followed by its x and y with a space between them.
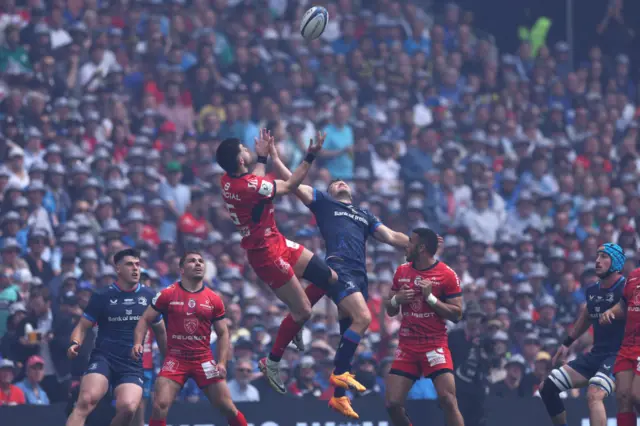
pixel 234 216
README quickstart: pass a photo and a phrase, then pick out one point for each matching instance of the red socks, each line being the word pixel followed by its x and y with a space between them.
pixel 238 420
pixel 162 422
pixel 624 419
pixel 289 328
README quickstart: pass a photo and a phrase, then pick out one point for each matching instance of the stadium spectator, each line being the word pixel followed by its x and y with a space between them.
pixel 10 394
pixel 30 386
pixel 240 388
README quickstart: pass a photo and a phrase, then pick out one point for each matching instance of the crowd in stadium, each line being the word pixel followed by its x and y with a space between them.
pixel 111 113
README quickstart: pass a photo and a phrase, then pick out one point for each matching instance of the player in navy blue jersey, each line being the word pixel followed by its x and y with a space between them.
pixel 116 311
pixel 594 368
pixel 345 229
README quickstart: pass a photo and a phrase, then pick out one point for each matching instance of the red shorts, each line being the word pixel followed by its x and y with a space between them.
pixel 203 372
pixel 274 265
pixel 416 364
pixel 627 360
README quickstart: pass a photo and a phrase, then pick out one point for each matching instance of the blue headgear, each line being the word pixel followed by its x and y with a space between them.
pixel 617 256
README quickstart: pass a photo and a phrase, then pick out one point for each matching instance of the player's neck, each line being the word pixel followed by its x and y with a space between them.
pixel 125 286
pixel 424 263
pixel 610 280
pixel 192 286
pixel 241 171
pixel 345 200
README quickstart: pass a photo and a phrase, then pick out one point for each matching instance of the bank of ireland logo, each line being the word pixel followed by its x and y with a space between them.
pixel 190 325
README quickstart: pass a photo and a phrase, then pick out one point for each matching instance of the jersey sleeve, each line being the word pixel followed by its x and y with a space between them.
pixel 317 200
pixel 160 301
pixel 451 287
pixel 218 312
pixel 265 189
pixel 373 220
pixel 93 311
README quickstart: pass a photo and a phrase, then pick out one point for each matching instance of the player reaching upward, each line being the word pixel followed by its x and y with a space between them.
pixel 627 367
pixel 426 293
pixel 277 261
pixel 190 310
pixel 345 229
pixel 593 368
pixel 116 310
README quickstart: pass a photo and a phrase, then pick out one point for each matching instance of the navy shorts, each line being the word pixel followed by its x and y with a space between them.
pixel 148 384
pixel 591 363
pixel 350 280
pixel 116 371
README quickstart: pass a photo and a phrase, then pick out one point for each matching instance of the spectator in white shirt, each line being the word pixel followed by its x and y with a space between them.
pixel 240 388
pixel 19 175
pixel 482 222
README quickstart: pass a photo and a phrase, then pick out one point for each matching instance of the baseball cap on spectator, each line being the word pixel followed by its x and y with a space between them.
pixel 134 216
pixel 516 360
pixel 547 301
pixel 16 307
pixel 253 310
pixel 88 255
pixel 69 298
pixel 34 360
pixel 532 338
pixel 489 295
pixel 524 289
pixel 7 363
pixel 11 216
pixel 9 243
pixel 108 271
pixel 173 167
pixel 500 336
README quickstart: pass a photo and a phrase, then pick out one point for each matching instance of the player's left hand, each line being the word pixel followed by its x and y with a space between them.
pixel 137 351
pixel 426 287
pixel 315 146
pixel 222 371
pixel 262 142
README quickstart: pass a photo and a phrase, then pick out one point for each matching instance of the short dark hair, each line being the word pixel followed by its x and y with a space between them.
pixel 187 253
pixel 117 258
pixel 428 238
pixel 227 154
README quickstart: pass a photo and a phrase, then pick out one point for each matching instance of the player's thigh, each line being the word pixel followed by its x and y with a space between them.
pixel 219 396
pixel 128 394
pixel 292 294
pixel 578 371
pixel 93 388
pixel 355 307
pixel 397 387
pixel 301 260
pixel 165 392
pixel 445 384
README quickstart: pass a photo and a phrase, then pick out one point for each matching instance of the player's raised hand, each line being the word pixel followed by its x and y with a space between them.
pixel 137 351
pixel 222 371
pixel 607 317
pixel 406 295
pixel 72 352
pixel 315 146
pixel 560 356
pixel 273 149
pixel 262 142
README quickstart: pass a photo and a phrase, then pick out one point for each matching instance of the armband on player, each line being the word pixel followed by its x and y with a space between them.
pixel 262 159
pixel 309 158
pixel 568 341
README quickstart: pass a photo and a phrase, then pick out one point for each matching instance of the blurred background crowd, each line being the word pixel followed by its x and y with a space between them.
pixel 110 113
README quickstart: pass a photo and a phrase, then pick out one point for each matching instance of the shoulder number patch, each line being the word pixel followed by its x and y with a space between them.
pixel 266 189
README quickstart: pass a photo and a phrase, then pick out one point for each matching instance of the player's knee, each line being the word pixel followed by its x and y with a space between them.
pixel 600 387
pixel 362 321
pixel 226 407
pixel 87 401
pixel 160 406
pixel 303 313
pixel 624 401
pixel 127 407
pixel 447 400
pixel 393 405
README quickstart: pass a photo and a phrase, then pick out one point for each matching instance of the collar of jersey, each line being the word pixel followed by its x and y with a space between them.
pixel 426 269
pixel 117 287
pixel 616 284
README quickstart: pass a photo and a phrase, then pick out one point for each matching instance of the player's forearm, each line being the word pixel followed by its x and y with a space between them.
pixel 392 308
pixel 141 331
pixel 281 170
pixel 399 240
pixel 161 337
pixel 448 311
pixel 296 178
pixel 580 326
pixel 78 334
pixel 224 347
pixel 619 309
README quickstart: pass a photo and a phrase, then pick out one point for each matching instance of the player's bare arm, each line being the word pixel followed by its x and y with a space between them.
pixel 262 151
pixel 387 235
pixel 223 345
pixel 148 317
pixel 77 337
pixel 396 298
pixel 160 331
pixel 300 173
pixel 617 312
pixel 449 309
pixel 304 192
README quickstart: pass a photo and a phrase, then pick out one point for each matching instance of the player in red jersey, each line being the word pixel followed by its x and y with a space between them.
pixel 277 261
pixel 190 310
pixel 426 293
pixel 627 365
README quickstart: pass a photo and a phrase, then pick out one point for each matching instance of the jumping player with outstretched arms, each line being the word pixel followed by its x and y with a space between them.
pixel 190 310
pixel 593 369
pixel 426 293
pixel 627 364
pixel 116 310
pixel 345 229
pixel 277 261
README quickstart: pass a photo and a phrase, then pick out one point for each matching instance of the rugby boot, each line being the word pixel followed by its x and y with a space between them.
pixel 271 370
pixel 343 406
pixel 346 381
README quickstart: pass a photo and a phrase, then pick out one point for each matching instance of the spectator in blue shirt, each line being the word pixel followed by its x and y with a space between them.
pixel 345 44
pixel 33 392
pixel 419 40
pixel 338 146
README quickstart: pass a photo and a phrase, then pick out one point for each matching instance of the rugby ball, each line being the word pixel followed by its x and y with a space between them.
pixel 314 22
